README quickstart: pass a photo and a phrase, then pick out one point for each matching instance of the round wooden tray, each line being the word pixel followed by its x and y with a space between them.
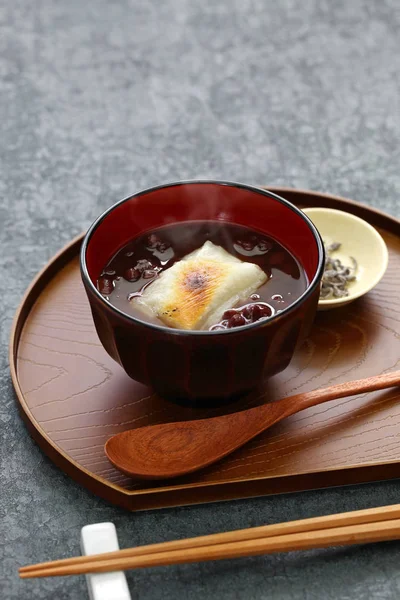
pixel 73 396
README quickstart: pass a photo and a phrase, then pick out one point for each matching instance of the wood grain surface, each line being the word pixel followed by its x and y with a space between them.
pixel 74 397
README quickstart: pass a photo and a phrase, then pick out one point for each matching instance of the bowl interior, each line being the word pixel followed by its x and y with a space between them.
pixel 359 240
pixel 199 201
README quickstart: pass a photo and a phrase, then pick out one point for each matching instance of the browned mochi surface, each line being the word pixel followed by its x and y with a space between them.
pixel 196 291
pixel 193 292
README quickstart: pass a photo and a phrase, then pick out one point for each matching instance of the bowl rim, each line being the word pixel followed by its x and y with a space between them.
pixel 384 257
pixel 258 324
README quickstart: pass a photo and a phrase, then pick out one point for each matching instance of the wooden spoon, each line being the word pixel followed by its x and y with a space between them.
pixel 175 449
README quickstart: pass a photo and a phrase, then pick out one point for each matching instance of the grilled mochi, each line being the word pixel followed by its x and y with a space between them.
pixel 196 291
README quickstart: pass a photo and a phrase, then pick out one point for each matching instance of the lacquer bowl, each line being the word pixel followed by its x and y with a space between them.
pixel 202 366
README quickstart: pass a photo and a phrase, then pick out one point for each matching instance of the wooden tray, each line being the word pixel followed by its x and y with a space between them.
pixel 73 397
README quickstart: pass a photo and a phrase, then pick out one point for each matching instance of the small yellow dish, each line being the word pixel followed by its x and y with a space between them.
pixel 359 240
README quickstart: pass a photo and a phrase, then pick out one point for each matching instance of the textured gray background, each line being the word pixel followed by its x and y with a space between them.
pixel 99 99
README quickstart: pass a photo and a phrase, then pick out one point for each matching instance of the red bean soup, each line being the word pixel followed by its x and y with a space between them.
pixel 140 262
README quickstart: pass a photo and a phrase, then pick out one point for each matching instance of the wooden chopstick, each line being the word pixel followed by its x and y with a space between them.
pixel 365 526
pixel 336 536
pixel 336 520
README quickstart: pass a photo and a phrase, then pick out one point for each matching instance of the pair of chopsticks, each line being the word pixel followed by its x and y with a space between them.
pixel 356 527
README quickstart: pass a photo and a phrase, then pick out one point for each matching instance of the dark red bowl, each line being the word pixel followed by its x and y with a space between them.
pixel 202 365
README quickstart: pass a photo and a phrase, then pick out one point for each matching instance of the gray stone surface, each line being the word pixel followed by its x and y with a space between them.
pixel 99 99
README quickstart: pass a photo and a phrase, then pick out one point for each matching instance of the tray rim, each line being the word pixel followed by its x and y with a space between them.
pixel 107 489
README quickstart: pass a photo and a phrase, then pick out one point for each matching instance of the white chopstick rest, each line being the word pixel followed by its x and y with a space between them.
pixel 96 539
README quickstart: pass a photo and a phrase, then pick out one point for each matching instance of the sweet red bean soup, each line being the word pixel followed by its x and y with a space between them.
pixel 202 275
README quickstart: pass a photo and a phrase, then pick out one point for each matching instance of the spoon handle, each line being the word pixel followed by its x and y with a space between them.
pixel 294 404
